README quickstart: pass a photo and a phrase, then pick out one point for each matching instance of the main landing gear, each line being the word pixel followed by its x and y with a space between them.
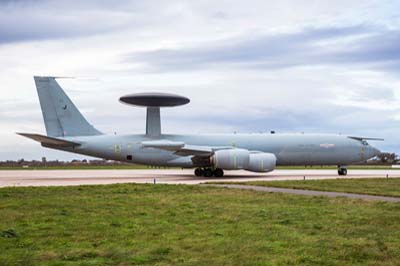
pixel 209 172
pixel 342 170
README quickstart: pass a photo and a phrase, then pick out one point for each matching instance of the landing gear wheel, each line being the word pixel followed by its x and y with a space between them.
pixel 198 172
pixel 218 172
pixel 207 172
pixel 342 171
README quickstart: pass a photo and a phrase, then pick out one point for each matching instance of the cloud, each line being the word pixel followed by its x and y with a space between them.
pixel 363 45
pixel 247 66
pixel 31 20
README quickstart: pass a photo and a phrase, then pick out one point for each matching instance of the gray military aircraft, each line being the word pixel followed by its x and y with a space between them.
pixel 68 130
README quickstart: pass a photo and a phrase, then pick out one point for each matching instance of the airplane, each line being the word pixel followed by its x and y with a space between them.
pixel 210 154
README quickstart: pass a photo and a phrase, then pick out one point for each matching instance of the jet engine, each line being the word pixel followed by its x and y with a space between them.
pixel 261 162
pixel 232 159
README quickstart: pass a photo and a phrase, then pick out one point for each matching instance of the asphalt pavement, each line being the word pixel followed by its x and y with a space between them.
pixel 170 176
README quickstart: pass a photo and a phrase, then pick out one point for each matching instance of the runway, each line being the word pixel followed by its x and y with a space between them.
pixel 92 177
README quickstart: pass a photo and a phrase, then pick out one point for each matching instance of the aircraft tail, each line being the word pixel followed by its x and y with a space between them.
pixel 60 115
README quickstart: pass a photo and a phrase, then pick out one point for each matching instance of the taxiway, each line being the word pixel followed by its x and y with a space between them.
pixel 92 177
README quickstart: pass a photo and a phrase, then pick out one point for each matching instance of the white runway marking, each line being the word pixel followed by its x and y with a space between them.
pixel 91 177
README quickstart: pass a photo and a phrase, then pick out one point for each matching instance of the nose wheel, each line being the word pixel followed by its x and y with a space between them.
pixel 209 172
pixel 342 171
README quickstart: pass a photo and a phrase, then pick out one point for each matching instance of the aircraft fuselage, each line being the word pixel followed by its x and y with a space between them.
pixel 289 149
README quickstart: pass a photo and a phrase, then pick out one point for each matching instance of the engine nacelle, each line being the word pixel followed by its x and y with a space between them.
pixel 232 159
pixel 261 162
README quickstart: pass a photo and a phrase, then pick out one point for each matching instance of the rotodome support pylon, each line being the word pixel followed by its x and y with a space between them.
pixel 153 102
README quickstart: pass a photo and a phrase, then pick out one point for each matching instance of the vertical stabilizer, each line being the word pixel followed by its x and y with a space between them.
pixel 60 115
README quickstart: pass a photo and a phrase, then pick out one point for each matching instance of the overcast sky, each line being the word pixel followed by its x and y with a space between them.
pixel 247 66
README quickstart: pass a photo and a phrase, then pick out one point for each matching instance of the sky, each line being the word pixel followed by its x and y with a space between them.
pixel 247 66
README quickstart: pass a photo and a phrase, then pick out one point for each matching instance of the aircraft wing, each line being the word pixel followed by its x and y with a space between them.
pixel 195 150
pixel 163 144
pixel 45 140
pixel 182 149
pixel 364 138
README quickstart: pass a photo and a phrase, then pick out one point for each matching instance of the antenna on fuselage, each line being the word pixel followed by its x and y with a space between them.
pixel 153 101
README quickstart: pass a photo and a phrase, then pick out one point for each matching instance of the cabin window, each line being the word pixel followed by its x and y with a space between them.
pixel 129 157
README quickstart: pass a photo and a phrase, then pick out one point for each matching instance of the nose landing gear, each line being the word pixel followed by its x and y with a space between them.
pixel 342 170
pixel 209 172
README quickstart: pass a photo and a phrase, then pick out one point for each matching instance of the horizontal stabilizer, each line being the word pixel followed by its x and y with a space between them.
pixel 45 140
pixel 363 138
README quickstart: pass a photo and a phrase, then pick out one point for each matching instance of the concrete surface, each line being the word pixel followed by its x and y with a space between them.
pixel 311 192
pixel 90 177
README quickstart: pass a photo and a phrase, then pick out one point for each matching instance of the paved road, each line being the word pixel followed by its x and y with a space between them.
pixel 311 192
pixel 89 177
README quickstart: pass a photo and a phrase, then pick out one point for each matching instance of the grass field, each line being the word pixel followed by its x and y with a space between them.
pixel 371 186
pixel 192 225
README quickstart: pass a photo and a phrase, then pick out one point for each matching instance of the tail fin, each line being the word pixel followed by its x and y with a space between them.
pixel 60 115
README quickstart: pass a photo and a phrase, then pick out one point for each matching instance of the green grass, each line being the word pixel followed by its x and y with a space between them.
pixel 192 225
pixel 371 186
